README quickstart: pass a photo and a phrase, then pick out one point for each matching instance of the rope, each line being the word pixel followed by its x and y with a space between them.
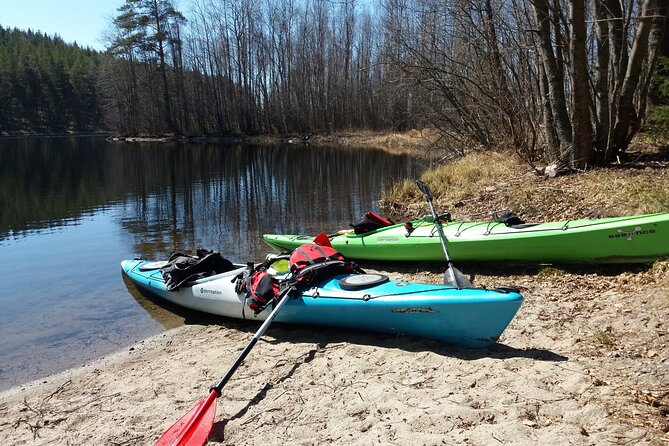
pixel 367 297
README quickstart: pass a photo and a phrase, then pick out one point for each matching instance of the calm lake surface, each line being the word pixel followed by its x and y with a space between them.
pixel 72 208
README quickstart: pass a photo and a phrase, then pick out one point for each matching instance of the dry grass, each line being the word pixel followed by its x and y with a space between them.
pixel 416 142
pixel 455 182
pixel 471 188
pixel 412 139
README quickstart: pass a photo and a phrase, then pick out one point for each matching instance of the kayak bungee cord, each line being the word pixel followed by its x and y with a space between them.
pixel 368 297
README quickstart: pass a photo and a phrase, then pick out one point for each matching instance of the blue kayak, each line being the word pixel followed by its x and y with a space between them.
pixel 470 317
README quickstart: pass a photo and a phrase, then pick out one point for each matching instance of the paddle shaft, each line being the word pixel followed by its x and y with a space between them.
pixel 283 298
pixel 442 238
pixel 193 428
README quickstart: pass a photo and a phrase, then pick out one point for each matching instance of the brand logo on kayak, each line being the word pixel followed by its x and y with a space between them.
pixel 206 291
pixel 387 239
pixel 412 310
pixel 629 235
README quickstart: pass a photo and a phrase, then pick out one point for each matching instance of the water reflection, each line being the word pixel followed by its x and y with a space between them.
pixel 227 197
pixel 180 196
pixel 72 208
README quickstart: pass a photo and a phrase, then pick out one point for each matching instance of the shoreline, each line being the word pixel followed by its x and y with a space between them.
pixel 586 361
pixel 414 142
pixel 569 369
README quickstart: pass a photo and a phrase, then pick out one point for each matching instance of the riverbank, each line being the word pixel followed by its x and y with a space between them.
pixel 416 142
pixel 473 187
pixel 586 361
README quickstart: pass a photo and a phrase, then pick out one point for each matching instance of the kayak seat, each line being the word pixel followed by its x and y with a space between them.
pixel 370 222
pixel 511 220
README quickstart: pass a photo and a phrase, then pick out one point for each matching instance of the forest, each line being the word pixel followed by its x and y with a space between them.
pixel 47 85
pixel 567 82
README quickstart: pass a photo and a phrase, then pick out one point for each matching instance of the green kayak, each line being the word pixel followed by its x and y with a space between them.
pixel 635 239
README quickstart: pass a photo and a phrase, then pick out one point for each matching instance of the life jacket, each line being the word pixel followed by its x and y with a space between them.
pixel 182 268
pixel 312 263
pixel 262 288
pixel 370 222
pixel 309 264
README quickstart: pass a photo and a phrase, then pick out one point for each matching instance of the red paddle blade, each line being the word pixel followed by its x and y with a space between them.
pixel 194 427
pixel 323 240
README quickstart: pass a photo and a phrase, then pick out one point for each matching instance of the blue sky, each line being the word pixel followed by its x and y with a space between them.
pixel 83 21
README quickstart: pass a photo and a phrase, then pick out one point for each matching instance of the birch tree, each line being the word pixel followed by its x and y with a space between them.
pixel 595 124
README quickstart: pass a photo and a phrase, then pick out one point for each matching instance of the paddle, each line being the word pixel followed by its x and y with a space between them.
pixel 452 276
pixel 193 428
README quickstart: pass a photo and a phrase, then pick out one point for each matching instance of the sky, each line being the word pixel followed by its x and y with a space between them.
pixel 83 21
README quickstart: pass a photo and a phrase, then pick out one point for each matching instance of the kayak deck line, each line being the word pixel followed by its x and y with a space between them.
pixel 368 297
pixel 520 229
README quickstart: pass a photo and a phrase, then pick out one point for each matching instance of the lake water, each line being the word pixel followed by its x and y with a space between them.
pixel 72 208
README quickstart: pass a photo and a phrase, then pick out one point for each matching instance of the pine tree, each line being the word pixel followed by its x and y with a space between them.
pixel 144 28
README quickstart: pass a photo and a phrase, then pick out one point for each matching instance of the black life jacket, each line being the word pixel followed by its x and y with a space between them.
pixel 182 268
pixel 370 222
pixel 262 289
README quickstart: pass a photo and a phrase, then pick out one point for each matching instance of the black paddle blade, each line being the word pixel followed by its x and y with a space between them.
pixel 455 278
pixel 424 189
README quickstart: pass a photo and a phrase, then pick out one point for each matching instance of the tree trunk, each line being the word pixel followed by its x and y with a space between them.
pixel 549 123
pixel 602 79
pixel 626 111
pixel 555 77
pixel 160 37
pixel 581 152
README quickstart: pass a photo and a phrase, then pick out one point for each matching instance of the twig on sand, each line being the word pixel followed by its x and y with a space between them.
pixel 493 436
pixel 34 428
pixel 43 409
pixel 128 441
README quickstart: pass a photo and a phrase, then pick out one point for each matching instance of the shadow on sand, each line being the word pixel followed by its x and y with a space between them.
pixel 508 269
pixel 301 334
pixel 322 336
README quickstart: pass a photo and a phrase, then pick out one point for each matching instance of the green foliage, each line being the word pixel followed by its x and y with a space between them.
pixel 604 338
pixel 547 272
pixel 47 85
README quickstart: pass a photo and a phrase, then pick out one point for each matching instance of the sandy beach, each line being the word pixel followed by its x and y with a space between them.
pixel 585 362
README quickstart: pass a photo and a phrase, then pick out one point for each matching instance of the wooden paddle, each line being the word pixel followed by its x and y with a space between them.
pixel 193 428
pixel 452 276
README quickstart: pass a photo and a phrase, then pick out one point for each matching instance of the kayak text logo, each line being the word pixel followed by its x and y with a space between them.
pixel 629 235
pixel 206 291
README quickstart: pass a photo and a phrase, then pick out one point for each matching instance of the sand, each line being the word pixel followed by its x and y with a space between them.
pixel 585 362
